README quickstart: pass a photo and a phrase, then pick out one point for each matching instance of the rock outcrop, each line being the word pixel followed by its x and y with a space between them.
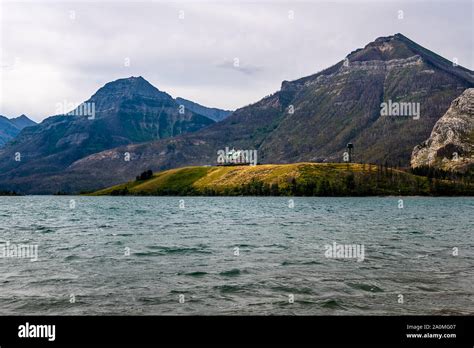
pixel 450 146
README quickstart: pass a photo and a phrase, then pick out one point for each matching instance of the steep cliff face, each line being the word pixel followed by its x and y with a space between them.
pixel 450 146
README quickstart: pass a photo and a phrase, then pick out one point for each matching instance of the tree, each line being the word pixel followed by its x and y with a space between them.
pixel 145 175
pixel 350 182
pixel 274 189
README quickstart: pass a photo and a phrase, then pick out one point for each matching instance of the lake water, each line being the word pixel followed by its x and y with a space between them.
pixel 236 255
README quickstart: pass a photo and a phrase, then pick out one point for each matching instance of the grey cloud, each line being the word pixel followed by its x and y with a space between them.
pixel 237 66
pixel 192 57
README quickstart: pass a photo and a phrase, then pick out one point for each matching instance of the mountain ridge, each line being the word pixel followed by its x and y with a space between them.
pixel 11 127
pixel 331 108
pixel 214 114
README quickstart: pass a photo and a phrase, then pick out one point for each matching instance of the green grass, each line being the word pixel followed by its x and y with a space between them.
pixel 302 179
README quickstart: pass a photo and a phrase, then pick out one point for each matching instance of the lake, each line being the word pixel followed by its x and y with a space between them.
pixel 74 255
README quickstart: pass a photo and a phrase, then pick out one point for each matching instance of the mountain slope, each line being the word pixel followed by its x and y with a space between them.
pixel 22 121
pixel 450 146
pixel 336 106
pixel 309 119
pixel 10 128
pixel 122 112
pixel 342 105
pixel 212 113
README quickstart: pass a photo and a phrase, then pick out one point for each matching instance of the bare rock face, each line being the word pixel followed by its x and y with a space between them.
pixel 450 146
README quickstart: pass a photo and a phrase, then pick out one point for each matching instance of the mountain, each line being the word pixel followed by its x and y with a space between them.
pixel 343 105
pixel 22 121
pixel 309 119
pixel 10 128
pixel 450 146
pixel 122 112
pixel 212 113
pixel 313 118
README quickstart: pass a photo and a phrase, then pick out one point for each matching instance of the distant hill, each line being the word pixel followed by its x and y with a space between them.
pixel 212 113
pixel 10 128
pixel 300 179
pixel 22 122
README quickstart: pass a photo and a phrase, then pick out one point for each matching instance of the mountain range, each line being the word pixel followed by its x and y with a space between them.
pixel 10 128
pixel 122 112
pixel 137 127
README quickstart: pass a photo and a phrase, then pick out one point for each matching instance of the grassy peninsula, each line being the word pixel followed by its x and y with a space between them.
pixel 297 179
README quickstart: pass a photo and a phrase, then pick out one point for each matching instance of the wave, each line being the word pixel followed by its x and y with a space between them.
pixel 229 288
pixel 232 273
pixel 312 262
pixel 177 250
pixel 196 274
pixel 365 287
pixel 333 304
pixel 44 229
pixel 71 258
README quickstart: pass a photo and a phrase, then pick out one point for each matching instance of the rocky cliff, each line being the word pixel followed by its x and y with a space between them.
pixel 450 146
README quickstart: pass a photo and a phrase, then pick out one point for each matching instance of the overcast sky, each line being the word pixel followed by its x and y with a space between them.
pixel 55 52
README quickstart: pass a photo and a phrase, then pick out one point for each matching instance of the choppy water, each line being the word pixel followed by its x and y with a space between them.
pixel 191 252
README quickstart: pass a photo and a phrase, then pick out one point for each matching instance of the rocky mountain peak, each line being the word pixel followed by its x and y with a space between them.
pixel 113 94
pixel 385 48
pixel 400 48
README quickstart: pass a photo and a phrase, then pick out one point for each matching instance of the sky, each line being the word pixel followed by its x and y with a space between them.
pixel 217 53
